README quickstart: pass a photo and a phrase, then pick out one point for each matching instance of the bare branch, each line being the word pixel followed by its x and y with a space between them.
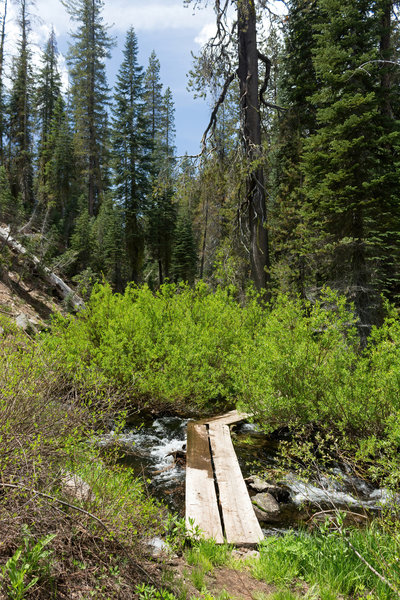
pixel 213 118
pixel 264 86
pixel 267 64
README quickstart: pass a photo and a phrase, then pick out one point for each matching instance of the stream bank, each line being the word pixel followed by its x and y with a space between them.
pixel 153 448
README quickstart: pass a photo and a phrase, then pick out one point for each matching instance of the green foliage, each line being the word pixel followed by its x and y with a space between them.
pixel 146 591
pixel 173 346
pixel 293 364
pixel 179 533
pixel 23 570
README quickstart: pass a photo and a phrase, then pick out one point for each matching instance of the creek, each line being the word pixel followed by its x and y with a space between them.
pixel 150 448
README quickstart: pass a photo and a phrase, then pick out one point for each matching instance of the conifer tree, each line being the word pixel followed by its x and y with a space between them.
pixel 131 152
pixel 168 130
pixel 10 210
pixel 60 174
pixel 20 114
pixel 48 89
pixel 161 222
pixel 90 95
pixel 153 97
pixel 47 94
pixel 184 255
pixel 347 179
pixel 292 264
pixel 161 211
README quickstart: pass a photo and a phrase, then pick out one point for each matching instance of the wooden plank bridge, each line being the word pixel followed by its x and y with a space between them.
pixel 216 494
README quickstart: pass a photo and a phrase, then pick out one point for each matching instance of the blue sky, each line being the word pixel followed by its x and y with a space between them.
pixel 165 26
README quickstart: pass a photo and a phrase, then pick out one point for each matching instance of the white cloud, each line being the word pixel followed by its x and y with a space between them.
pixel 208 31
pixel 153 15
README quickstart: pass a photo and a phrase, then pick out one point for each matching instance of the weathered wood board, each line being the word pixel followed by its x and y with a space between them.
pixel 201 497
pixel 229 418
pixel 239 520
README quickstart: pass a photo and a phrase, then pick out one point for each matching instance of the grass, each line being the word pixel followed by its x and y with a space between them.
pixel 327 560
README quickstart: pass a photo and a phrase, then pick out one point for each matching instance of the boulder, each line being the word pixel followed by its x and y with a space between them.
pixel 266 507
pixel 280 493
pixel 75 487
pixel 23 322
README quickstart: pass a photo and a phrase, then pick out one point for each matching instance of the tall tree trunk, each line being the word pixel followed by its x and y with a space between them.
pixel 2 40
pixel 385 49
pixel 251 131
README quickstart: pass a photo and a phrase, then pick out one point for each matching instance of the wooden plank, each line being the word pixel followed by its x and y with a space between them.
pixel 239 520
pixel 229 418
pixel 201 497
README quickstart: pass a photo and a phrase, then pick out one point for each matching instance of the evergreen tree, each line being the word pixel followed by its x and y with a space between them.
pixel 184 255
pixel 160 229
pixel 292 264
pixel 2 102
pixel 132 147
pixel 48 93
pixel 350 185
pixel 20 115
pixel 168 132
pixel 154 113
pixel 10 210
pixel 108 252
pixel 82 239
pixel 60 178
pixel 90 95
pixel 48 89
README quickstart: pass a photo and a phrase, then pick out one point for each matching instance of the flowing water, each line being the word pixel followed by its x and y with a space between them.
pixel 148 448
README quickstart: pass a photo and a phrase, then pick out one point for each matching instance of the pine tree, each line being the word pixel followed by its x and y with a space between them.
pixel 82 239
pixel 184 255
pixel 60 173
pixel 10 210
pixel 161 222
pixel 48 89
pixel 48 93
pixel 20 115
pixel 292 263
pixel 154 113
pixel 2 60
pixel 108 256
pixel 348 183
pixel 132 147
pixel 90 95
pixel 167 132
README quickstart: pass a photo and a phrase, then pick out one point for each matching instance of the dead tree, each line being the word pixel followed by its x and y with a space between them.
pixel 244 34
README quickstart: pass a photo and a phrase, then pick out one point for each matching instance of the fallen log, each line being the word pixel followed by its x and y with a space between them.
pixel 56 282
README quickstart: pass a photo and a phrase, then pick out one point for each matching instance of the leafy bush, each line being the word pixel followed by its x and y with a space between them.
pixel 292 364
pixel 174 346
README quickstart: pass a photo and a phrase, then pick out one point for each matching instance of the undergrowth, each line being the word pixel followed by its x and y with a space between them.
pixel 293 364
pixel 55 542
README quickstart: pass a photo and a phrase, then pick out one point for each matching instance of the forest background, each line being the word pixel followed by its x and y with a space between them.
pixel 93 181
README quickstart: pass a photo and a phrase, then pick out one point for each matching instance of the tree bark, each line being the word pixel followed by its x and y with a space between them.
pixel 2 40
pixel 385 49
pixel 251 131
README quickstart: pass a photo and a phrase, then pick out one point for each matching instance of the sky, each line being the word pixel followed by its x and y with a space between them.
pixel 165 26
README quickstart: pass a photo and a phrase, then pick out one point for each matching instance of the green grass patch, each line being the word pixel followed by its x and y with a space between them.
pixel 327 560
